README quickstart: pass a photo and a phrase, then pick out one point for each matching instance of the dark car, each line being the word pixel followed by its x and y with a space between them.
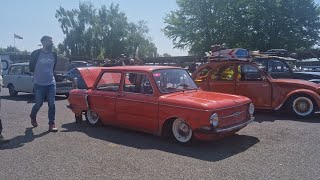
pixel 76 64
pixel 75 76
pixel 284 67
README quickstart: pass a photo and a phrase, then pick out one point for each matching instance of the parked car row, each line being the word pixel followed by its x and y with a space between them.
pixel 20 79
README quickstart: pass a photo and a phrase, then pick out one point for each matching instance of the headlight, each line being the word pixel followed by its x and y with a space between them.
pixel 251 109
pixel 214 120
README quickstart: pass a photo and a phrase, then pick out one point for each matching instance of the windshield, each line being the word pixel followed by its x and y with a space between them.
pixel 173 80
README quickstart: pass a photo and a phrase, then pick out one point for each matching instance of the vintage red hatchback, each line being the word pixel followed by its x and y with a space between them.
pixel 248 79
pixel 160 100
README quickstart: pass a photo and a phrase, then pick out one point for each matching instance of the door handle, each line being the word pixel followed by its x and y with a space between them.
pixel 19 77
pixel 265 85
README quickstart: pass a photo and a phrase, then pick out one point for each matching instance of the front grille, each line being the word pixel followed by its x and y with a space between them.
pixel 231 116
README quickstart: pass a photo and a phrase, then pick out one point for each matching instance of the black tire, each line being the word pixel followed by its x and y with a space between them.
pixel 92 118
pixel 67 95
pixel 182 132
pixel 12 91
pixel 302 106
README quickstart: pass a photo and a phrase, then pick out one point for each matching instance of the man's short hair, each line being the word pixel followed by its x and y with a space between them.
pixel 45 38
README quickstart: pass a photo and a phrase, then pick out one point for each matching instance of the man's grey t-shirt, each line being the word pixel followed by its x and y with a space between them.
pixel 43 73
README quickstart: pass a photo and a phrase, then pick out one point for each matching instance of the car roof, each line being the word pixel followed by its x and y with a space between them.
pixel 134 68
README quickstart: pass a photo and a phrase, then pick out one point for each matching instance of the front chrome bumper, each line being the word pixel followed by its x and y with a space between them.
pixel 225 129
pixel 235 127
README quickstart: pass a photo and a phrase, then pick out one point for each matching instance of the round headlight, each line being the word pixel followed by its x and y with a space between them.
pixel 214 120
pixel 251 109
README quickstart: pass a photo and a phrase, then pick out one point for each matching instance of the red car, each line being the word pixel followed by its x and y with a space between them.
pixel 158 100
pixel 245 78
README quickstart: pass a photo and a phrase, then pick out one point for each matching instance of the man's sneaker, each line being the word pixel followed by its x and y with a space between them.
pixel 52 128
pixel 34 122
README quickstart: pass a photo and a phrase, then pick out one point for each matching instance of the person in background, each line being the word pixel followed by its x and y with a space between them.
pixel 43 62
pixel 2 140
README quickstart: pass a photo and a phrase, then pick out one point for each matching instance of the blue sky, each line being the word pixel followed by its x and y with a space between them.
pixel 32 19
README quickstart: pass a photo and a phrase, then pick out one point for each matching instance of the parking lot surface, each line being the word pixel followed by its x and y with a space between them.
pixel 275 146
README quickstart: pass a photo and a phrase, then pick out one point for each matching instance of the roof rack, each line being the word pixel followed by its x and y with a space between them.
pixel 229 54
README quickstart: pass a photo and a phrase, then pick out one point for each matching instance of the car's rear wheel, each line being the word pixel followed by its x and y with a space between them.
pixel 92 118
pixel 302 106
pixel 12 91
pixel 181 131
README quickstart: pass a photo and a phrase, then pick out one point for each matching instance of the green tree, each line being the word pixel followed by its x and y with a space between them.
pixel 258 24
pixel 103 32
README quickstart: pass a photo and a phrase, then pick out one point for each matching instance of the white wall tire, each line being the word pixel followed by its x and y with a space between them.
pixel 302 106
pixel 92 118
pixel 181 131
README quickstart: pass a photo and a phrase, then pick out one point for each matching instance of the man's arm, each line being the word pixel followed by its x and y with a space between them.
pixel 34 58
pixel 55 60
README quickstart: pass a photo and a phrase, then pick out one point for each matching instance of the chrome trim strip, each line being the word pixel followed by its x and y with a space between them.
pixel 223 130
pixel 111 97
pixel 233 115
pixel 206 110
pixel 137 101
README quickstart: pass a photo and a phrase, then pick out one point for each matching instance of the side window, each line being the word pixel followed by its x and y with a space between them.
pixel 25 70
pixel 203 74
pixel 5 65
pixel 225 73
pixel 137 83
pixel 15 70
pixel 109 81
pixel 276 66
pixel 248 72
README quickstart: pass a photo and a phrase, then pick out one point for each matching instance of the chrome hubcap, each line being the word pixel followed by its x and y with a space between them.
pixel 303 106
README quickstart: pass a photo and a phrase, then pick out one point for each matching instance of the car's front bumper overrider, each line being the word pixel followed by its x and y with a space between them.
pixel 212 130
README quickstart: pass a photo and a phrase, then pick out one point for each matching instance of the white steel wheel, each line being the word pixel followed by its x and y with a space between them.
pixel 303 106
pixel 181 131
pixel 92 118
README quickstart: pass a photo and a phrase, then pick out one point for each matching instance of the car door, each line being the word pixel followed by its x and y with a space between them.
pixel 11 78
pixel 102 98
pixel 222 79
pixel 252 83
pixel 201 78
pixel 25 80
pixel 137 106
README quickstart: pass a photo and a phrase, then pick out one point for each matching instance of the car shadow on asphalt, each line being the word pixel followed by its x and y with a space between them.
pixel 20 141
pixel 272 116
pixel 208 151
pixel 29 98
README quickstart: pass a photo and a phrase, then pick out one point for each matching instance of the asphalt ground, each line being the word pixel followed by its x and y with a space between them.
pixel 276 146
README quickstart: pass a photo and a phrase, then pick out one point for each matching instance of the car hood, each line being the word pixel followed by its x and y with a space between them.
pixel 303 84
pixel 89 75
pixel 203 100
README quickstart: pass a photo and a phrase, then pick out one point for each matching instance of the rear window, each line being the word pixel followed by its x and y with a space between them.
pixel 109 81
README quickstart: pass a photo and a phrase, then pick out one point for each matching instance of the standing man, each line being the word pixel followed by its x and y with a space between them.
pixel 43 62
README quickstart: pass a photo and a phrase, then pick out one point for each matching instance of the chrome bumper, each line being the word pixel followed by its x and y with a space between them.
pixel 235 127
pixel 227 129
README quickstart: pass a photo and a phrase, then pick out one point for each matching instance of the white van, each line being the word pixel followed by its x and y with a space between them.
pixel 5 62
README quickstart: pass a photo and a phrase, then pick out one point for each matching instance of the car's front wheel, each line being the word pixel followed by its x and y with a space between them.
pixel 92 118
pixel 12 91
pixel 181 131
pixel 302 106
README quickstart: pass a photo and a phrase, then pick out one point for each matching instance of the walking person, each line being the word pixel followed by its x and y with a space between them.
pixel 43 62
pixel 2 140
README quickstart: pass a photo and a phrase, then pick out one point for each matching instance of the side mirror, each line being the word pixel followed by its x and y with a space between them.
pixel 200 79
